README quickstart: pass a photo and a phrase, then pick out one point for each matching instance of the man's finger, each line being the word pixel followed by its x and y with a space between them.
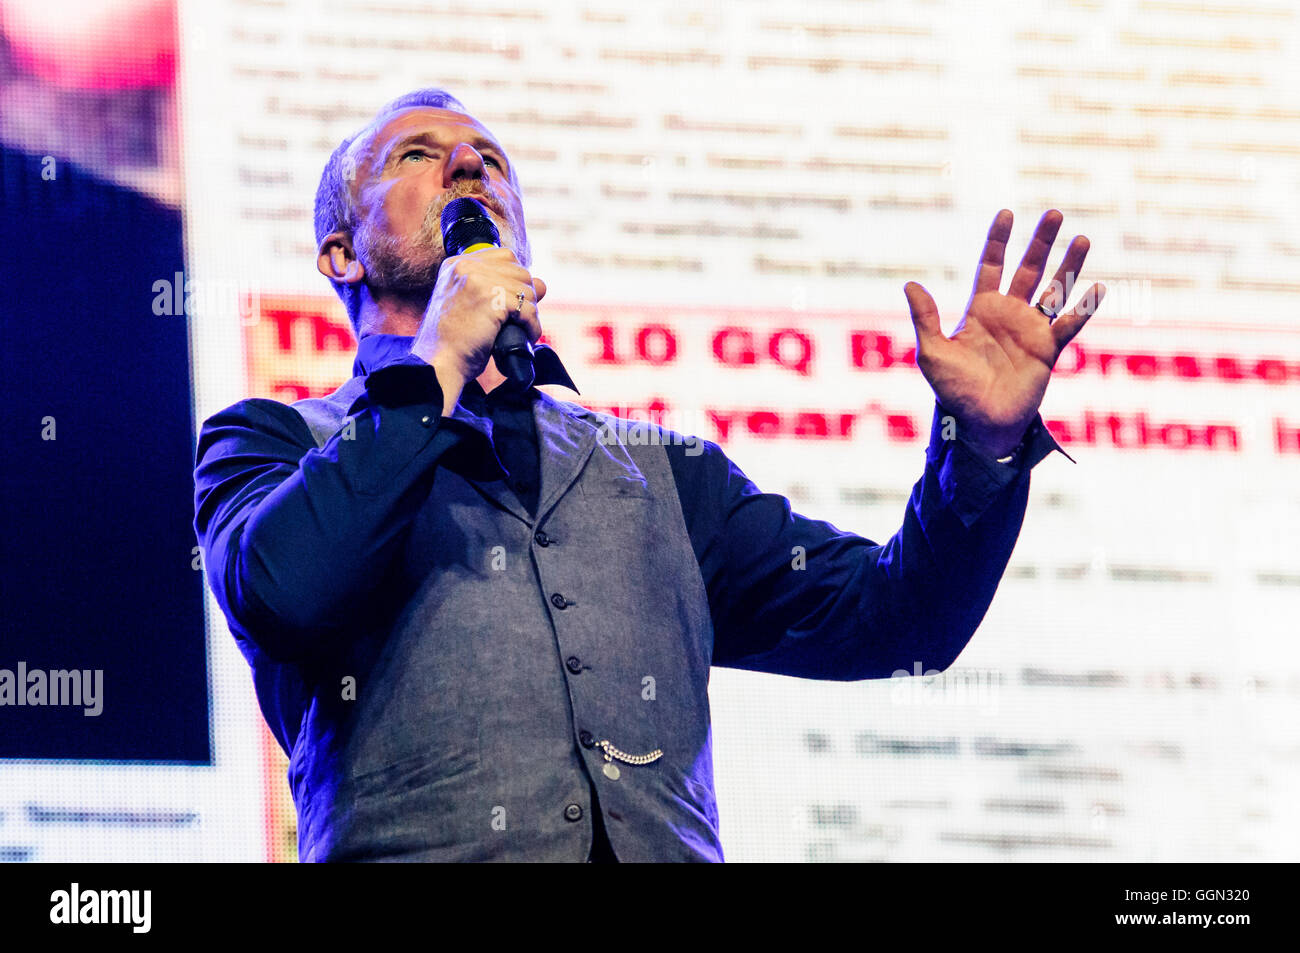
pixel 925 318
pixel 1058 292
pixel 988 276
pixel 1067 325
pixel 529 318
pixel 539 287
pixel 1030 272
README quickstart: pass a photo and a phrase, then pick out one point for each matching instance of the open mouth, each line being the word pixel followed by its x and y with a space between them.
pixel 483 200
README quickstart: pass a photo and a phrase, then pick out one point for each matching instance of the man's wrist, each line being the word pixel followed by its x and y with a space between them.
pixel 1012 457
pixel 1036 444
pixel 450 380
pixel 1003 447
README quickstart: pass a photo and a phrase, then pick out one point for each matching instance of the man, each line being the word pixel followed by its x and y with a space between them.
pixel 483 630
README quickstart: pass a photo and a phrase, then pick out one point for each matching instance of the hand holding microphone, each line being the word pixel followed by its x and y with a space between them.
pixel 466 228
pixel 475 311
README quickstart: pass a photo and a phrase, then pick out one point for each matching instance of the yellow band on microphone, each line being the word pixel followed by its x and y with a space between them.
pixel 477 247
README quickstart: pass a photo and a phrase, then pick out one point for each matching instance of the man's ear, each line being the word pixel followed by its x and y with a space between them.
pixel 337 260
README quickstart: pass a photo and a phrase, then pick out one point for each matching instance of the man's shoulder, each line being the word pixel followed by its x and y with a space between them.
pixel 323 414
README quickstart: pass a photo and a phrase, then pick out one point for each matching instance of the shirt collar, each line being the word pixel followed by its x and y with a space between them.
pixel 377 350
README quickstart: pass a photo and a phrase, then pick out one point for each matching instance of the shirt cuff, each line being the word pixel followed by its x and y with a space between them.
pixel 410 380
pixel 969 479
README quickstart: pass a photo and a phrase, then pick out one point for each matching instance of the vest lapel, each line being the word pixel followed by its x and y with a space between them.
pixel 565 440
pixel 494 491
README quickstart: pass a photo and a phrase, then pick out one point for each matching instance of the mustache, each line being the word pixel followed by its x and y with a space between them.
pixel 487 199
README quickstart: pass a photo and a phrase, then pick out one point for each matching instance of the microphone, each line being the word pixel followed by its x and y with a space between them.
pixel 465 228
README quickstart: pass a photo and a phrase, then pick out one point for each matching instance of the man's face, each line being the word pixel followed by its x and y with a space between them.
pixel 406 173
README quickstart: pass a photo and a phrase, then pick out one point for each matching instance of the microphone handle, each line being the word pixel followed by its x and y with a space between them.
pixel 514 355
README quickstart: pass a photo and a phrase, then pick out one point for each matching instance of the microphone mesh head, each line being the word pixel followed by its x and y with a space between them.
pixel 465 223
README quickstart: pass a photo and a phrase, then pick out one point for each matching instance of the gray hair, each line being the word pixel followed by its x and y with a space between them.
pixel 334 209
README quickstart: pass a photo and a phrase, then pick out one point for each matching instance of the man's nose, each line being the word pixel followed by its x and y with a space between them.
pixel 464 163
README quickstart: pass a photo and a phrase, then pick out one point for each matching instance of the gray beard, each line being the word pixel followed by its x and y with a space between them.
pixel 409 265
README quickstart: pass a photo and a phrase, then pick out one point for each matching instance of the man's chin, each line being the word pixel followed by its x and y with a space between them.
pixel 409 289
pixel 405 278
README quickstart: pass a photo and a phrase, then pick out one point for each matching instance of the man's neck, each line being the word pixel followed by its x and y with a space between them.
pixel 490 378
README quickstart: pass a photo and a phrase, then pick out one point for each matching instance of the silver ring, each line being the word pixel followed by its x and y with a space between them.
pixel 521 301
pixel 1050 315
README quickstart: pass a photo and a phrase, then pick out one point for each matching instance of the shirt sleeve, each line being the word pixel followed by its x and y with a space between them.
pixel 797 596
pixel 294 537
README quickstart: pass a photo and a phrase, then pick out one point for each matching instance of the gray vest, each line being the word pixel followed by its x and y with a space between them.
pixel 504 650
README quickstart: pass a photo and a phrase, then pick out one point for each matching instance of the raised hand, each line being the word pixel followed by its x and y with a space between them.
pixel 992 373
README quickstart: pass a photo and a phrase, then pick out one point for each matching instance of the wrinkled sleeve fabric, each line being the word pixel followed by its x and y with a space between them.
pixel 294 537
pixel 796 596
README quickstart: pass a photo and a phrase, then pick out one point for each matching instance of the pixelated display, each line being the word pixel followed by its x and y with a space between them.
pixel 725 204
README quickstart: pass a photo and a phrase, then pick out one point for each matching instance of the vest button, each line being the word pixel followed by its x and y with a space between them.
pixel 542 538
pixel 573 812
pixel 574 663
pixel 559 601
pixel 587 738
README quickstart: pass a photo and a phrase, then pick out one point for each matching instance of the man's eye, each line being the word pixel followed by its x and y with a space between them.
pixel 492 160
pixel 415 152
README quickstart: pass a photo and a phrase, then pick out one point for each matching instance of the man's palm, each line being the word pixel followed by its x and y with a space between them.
pixel 993 372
